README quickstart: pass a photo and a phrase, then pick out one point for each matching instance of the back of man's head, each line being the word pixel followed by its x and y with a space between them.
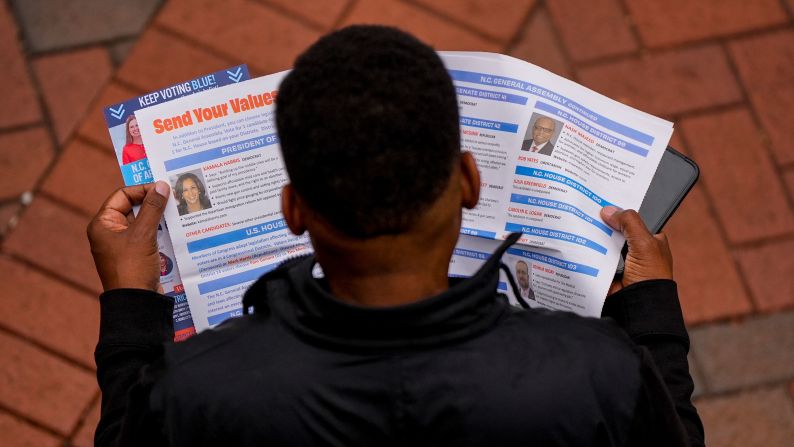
pixel 369 129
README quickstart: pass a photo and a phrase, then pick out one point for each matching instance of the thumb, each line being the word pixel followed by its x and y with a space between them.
pixel 627 222
pixel 152 207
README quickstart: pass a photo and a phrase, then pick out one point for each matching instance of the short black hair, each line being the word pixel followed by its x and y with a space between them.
pixel 369 129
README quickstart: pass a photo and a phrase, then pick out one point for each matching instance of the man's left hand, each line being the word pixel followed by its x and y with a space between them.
pixel 124 246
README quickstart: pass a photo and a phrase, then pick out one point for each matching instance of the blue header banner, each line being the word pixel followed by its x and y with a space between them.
pixel 476 232
pixel 221 151
pixel 117 113
pixel 523 86
pixel 556 262
pixel 557 235
pixel 236 235
pixel 561 206
pixel 598 133
pixel 490 94
pixel 488 124
pixel 554 177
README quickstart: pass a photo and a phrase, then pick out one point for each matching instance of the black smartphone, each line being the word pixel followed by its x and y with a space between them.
pixel 674 177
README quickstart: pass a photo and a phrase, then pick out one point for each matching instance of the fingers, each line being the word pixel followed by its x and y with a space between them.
pixel 152 207
pixel 627 222
pixel 124 198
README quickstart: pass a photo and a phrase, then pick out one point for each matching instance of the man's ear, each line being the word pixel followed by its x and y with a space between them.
pixel 290 207
pixel 469 181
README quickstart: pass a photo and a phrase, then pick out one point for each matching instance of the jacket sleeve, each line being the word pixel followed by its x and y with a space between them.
pixel 650 313
pixel 134 324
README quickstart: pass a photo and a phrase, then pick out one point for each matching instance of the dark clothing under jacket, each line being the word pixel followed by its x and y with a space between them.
pixel 461 368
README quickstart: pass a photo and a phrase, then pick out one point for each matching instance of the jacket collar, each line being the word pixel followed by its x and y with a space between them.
pixel 467 308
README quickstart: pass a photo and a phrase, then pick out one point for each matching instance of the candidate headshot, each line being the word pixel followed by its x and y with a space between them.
pixel 522 277
pixel 540 134
pixel 191 194
pixel 133 147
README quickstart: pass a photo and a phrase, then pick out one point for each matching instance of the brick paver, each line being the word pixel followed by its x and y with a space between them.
pixel 69 82
pixel 441 34
pixel 723 70
pixel 20 105
pixel 266 40
pixel 725 144
pixel 757 351
pixel 498 19
pixel 26 154
pixel 176 60
pixel 665 22
pixel 602 31
pixel 85 435
pixel 708 282
pixel 17 433
pixel 767 72
pixel 8 213
pixel 754 418
pixel 322 14
pixel 51 25
pixel 86 192
pixel 42 387
pixel 62 249
pixel 44 309
pixel 667 83
pixel 93 126
pixel 768 271
pixel 538 44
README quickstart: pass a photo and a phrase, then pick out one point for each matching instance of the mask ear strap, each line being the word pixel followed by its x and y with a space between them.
pixel 513 286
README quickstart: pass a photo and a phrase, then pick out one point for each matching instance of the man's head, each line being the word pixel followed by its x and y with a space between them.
pixel 369 129
pixel 542 130
pixel 522 275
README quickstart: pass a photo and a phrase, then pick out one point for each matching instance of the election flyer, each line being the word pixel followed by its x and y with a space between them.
pixel 133 161
pixel 219 151
pixel 551 154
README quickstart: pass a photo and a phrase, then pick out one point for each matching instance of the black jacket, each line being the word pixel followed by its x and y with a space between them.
pixel 461 368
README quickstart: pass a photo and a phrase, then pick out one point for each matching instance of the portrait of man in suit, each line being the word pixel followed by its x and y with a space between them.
pixel 542 130
pixel 522 276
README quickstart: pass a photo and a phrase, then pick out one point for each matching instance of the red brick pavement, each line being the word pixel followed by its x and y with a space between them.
pixel 723 70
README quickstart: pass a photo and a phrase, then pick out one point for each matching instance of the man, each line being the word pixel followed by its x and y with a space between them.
pixel 383 350
pixel 542 131
pixel 522 277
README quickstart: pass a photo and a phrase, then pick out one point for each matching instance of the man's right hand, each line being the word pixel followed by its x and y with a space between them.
pixel 124 246
pixel 649 255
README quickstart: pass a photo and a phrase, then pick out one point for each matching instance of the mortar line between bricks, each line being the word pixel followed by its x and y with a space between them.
pixel 53 275
pixel 81 421
pixel 694 360
pixel 574 67
pixel 453 21
pixel 344 13
pixel 522 28
pixel 682 46
pixel 94 146
pixel 43 347
pixel 766 141
pixel 751 388
pixel 20 127
pixel 790 10
pixel 760 30
pixel 633 29
pixel 278 9
pixel 32 422
pixel 722 233
pixel 760 242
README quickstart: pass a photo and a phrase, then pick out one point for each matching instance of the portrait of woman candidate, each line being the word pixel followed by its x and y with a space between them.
pixel 191 194
pixel 133 149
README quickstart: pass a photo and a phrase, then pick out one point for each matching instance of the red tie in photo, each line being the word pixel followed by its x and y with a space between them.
pixel 535 148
